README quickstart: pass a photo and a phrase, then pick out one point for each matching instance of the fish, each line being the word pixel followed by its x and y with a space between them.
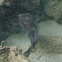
pixel 27 24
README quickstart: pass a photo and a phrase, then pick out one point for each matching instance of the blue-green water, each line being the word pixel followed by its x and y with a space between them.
pixel 48 19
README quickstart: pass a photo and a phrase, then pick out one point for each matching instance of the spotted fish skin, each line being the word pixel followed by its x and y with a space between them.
pixel 27 23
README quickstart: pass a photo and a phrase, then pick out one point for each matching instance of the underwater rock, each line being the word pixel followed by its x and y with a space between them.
pixel 53 8
pixel 47 49
pixel 6 2
pixel 12 54
pixel 51 44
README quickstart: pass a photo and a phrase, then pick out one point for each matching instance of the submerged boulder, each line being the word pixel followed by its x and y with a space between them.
pixel 47 49
pixel 12 54
pixel 53 8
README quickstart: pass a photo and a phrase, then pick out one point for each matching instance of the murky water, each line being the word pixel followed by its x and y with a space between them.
pixel 49 45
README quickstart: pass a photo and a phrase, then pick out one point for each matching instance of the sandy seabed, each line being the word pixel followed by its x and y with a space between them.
pixel 47 28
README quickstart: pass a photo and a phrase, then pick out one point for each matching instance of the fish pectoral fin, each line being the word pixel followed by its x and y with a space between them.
pixel 16 27
pixel 36 36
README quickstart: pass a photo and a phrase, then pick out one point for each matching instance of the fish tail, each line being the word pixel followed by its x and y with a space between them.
pixel 33 37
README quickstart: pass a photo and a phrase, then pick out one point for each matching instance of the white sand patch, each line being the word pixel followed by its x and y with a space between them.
pixel 50 28
pixel 20 39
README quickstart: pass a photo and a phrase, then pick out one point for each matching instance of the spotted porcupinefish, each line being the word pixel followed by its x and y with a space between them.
pixel 27 24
